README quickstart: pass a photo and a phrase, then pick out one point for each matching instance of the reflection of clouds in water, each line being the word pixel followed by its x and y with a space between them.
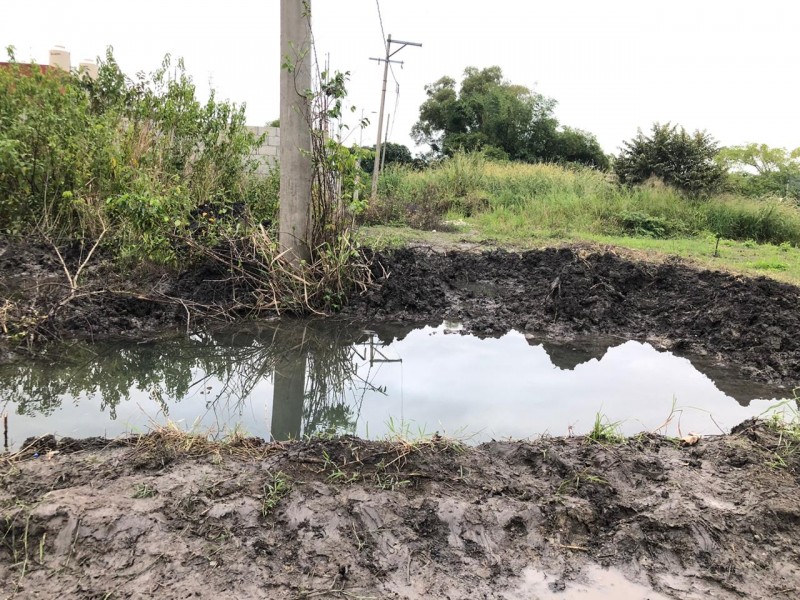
pixel 452 383
pixel 506 388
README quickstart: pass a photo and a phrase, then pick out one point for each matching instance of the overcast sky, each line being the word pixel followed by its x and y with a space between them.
pixel 727 66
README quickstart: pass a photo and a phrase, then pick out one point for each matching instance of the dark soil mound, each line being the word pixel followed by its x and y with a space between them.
pixel 752 323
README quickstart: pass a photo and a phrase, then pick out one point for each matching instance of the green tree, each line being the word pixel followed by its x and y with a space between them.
pixel 683 160
pixel 504 120
pixel 574 145
pixel 758 170
pixel 398 154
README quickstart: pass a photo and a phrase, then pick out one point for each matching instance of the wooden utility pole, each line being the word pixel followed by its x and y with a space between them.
pixel 297 170
pixel 389 54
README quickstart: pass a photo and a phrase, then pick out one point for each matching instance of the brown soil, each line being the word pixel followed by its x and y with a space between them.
pixel 164 516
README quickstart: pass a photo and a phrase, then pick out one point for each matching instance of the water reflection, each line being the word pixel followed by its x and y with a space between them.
pixel 288 379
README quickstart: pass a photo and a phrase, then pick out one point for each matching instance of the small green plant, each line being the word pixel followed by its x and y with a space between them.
pixel 582 478
pixel 390 481
pixel 768 265
pixel 643 224
pixel 336 474
pixel 275 489
pixel 143 490
pixel 604 431
pixel 784 418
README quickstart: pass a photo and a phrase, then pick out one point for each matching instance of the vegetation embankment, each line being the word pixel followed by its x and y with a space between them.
pixel 120 184
pixel 524 205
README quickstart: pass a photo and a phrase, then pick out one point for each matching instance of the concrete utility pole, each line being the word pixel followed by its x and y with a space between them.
pixel 297 171
pixel 389 54
pixel 289 381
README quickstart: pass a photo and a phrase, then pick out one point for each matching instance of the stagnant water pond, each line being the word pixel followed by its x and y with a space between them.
pixel 291 379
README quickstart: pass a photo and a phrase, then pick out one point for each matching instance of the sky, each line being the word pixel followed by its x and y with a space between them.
pixel 727 66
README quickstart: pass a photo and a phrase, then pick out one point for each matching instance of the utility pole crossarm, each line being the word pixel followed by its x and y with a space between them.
pixel 402 45
pixel 396 62
pixel 389 54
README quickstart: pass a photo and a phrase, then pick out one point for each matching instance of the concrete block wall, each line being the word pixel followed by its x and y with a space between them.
pixel 267 153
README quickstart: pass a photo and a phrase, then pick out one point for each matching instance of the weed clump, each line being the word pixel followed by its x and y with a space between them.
pixel 604 431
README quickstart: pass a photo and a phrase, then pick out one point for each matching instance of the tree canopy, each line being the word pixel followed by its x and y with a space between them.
pixel 683 160
pixel 394 154
pixel 759 170
pixel 504 120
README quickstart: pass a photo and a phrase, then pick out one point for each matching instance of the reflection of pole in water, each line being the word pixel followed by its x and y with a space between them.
pixel 373 351
pixel 287 397
pixel 5 432
pixel 318 385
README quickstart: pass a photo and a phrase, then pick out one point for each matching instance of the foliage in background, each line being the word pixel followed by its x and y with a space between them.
pixel 159 177
pixel 685 161
pixel 395 154
pixel 758 170
pixel 504 120
pixel 143 159
pixel 517 200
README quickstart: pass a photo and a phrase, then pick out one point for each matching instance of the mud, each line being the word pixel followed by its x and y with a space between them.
pixel 752 324
pixel 165 517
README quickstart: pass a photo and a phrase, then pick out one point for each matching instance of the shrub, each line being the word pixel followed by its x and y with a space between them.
pixel 678 158
pixel 139 159
pixel 642 224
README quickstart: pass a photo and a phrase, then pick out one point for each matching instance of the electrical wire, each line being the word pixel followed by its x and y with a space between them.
pixel 380 19
pixel 394 112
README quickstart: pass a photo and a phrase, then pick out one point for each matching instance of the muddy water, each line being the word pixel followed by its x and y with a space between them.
pixel 284 381
pixel 595 583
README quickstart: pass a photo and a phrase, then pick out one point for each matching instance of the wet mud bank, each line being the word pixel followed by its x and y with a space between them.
pixel 751 324
pixel 174 517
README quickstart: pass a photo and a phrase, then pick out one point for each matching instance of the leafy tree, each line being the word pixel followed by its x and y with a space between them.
pixel 758 170
pixel 398 154
pixel 683 160
pixel 574 145
pixel 504 120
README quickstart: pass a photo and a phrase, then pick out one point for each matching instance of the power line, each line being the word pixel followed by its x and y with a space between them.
pixel 396 98
pixel 380 19
pixel 394 112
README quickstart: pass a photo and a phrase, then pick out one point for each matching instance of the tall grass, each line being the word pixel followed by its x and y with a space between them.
pixel 514 200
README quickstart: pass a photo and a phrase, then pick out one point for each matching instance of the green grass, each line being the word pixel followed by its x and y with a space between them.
pixel 143 490
pixel 521 206
pixel 514 200
pixel 604 431
pixel 784 419
pixel 276 488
